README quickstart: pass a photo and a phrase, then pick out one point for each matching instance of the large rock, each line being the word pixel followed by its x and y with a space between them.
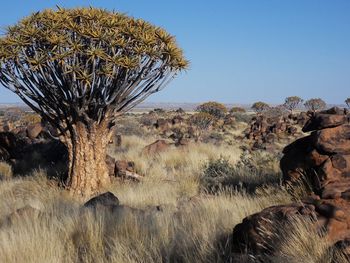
pixel 334 140
pixel 156 147
pixel 259 232
pixel 106 200
pixel 34 130
pixel 322 120
pixel 322 159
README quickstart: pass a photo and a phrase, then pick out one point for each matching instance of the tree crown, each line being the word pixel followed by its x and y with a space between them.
pixel 260 106
pixel 315 104
pixel 292 102
pixel 347 102
pixel 216 109
pixel 86 64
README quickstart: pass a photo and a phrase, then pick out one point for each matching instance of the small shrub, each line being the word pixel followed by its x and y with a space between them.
pixel 248 174
pixel 237 110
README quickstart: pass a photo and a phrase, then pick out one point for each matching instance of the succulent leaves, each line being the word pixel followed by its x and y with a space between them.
pixel 95 61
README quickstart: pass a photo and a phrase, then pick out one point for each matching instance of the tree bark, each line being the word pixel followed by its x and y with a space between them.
pixel 87 146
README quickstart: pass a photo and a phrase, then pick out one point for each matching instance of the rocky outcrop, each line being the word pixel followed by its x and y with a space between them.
pixel 265 130
pixel 322 159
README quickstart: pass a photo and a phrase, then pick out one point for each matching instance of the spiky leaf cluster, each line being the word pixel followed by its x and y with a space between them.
pixel 86 62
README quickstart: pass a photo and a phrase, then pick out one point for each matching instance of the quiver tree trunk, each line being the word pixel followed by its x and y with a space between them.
pixel 87 146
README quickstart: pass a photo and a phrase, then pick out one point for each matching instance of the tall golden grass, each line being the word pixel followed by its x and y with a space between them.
pixel 172 221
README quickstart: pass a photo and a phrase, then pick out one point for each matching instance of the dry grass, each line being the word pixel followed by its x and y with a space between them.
pixel 186 231
pixel 5 171
pixel 191 226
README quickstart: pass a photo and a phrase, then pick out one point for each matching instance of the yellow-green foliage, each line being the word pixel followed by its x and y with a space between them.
pixel 260 106
pixel 202 120
pixel 64 34
pixel 216 109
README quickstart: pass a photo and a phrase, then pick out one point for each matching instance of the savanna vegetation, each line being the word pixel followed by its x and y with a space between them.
pixel 178 182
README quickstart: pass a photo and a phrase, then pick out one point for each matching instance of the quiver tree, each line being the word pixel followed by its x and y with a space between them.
pixel 216 109
pixel 347 102
pixel 291 103
pixel 79 69
pixel 260 106
pixel 315 104
pixel 202 121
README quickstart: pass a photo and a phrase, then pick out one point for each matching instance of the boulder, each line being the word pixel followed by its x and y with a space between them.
pixel 259 232
pixel 322 121
pixel 21 214
pixel 106 200
pixel 126 170
pixel 34 130
pixel 334 140
pixel 156 147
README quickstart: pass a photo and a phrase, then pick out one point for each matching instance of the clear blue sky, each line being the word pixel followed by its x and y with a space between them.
pixel 240 51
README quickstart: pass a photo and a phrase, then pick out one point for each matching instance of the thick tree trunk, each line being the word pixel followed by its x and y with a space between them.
pixel 88 173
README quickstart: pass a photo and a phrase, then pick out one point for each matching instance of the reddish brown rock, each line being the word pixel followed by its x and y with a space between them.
pixel 34 130
pixel 322 121
pixel 156 147
pixel 122 166
pixel 323 160
pixel 334 140
pixel 259 232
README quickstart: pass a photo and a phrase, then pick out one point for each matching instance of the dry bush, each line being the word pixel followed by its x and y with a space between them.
pixel 248 174
pixel 5 171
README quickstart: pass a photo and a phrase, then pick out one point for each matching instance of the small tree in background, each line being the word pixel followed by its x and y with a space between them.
pixel 80 69
pixel 216 109
pixel 237 110
pixel 202 121
pixel 260 106
pixel 291 103
pixel 315 104
pixel 347 102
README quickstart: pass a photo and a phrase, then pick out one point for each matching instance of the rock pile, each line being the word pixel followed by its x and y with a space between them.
pixel 323 160
pixel 264 130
